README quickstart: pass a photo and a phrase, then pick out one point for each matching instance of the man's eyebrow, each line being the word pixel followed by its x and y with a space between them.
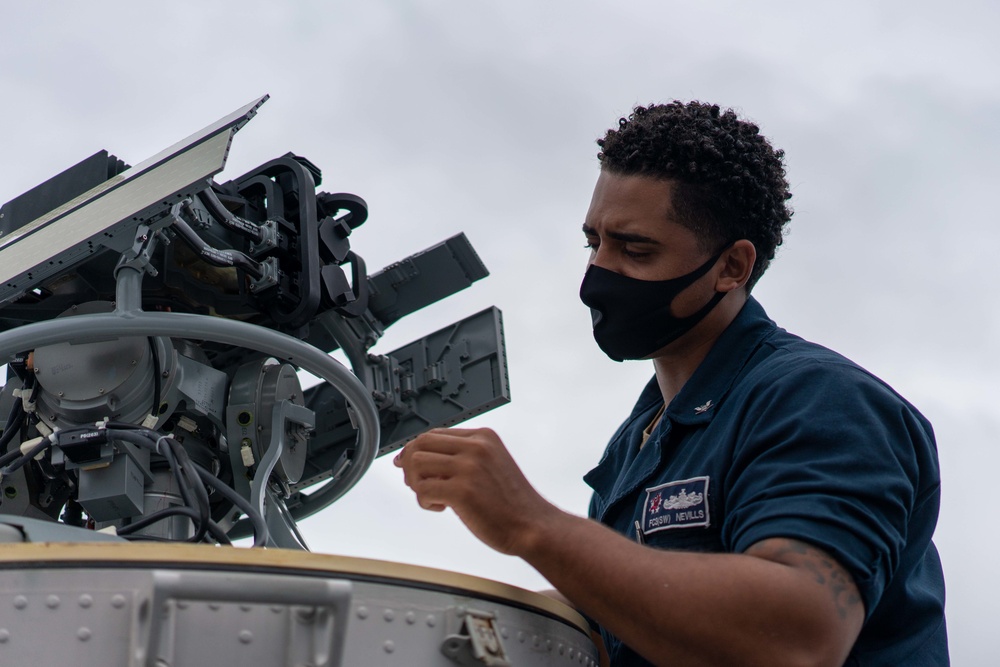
pixel 622 236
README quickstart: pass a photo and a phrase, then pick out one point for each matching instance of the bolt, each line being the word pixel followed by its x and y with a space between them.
pixel 100 391
pixel 61 394
pixel 165 374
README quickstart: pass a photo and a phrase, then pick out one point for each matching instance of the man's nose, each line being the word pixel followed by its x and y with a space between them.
pixel 603 258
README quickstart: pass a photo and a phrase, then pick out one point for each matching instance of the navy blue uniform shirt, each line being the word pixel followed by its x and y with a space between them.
pixel 774 436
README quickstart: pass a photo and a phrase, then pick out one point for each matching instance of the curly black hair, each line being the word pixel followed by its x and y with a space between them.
pixel 730 182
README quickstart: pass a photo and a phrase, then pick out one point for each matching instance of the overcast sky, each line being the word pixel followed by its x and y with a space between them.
pixel 481 117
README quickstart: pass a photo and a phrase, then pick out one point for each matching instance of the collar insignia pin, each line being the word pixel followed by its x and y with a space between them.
pixel 702 409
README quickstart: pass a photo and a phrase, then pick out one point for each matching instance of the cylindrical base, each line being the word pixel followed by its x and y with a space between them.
pixel 167 605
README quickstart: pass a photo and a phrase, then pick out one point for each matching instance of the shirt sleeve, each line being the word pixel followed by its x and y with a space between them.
pixel 829 455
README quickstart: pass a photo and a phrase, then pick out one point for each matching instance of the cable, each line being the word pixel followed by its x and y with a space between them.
pixel 215 530
pixel 178 510
pixel 183 487
pixel 150 519
pixel 172 450
pixel 227 218
pixel 13 425
pixel 19 458
pixel 194 484
pixel 260 530
pixel 155 411
pixel 143 537
pixel 8 457
pixel 193 493
pixel 214 255
pixel 219 535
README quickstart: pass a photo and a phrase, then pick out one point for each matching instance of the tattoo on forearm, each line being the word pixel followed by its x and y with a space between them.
pixel 818 563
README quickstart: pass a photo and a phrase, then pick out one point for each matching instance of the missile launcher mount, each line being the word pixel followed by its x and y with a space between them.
pixel 154 323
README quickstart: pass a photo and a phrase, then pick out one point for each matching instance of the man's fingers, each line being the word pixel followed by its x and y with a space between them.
pixel 422 465
pixel 438 445
pixel 444 441
pixel 446 467
pixel 432 493
pixel 452 440
pixel 457 432
pixel 449 441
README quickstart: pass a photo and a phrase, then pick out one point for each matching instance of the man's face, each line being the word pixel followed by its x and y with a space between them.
pixel 630 230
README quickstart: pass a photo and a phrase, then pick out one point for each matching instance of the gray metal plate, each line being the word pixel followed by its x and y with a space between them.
pixel 168 617
pixel 104 216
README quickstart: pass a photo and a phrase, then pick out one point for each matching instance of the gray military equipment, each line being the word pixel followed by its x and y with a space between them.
pixel 154 323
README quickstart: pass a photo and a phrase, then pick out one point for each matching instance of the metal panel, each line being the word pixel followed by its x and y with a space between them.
pixel 440 380
pixel 54 242
pixel 92 615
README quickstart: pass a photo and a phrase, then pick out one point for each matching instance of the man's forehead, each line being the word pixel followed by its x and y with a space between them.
pixel 631 206
pixel 632 192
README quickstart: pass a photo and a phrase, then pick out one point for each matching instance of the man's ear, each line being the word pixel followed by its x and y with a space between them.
pixel 738 261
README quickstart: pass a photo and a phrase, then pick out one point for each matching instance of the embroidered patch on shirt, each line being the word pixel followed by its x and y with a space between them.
pixel 680 504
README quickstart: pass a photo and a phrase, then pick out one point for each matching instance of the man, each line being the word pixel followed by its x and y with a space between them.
pixel 767 502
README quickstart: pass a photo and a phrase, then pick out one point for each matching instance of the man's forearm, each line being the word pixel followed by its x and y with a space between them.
pixel 695 608
pixel 783 602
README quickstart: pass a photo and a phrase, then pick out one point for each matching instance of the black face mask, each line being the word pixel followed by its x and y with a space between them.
pixel 632 317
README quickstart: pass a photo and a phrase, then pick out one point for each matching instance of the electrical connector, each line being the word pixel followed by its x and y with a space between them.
pixel 81 446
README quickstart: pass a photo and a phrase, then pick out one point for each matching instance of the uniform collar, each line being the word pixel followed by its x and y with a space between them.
pixel 708 386
pixel 620 471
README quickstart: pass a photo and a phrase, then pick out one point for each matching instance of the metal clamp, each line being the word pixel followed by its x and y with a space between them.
pixel 268 278
pixel 269 238
pixel 147 234
pixel 477 642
